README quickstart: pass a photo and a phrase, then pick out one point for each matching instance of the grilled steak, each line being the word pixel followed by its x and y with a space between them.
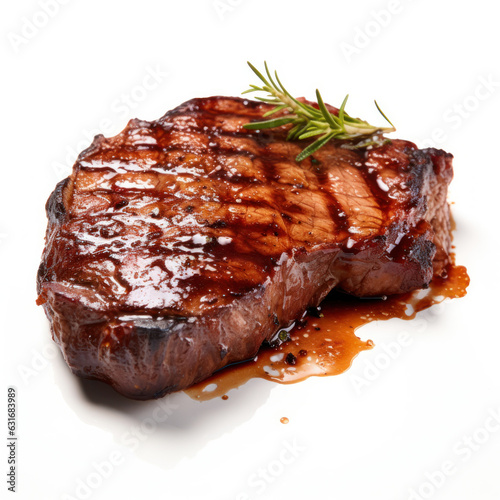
pixel 180 245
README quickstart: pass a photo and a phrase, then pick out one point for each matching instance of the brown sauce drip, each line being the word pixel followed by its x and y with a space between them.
pixel 327 345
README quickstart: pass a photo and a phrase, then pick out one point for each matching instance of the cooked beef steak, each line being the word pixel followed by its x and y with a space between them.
pixel 180 245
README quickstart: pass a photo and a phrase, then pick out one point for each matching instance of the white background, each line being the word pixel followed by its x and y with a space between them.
pixel 81 69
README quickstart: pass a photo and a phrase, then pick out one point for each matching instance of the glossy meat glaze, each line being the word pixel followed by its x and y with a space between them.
pixel 180 245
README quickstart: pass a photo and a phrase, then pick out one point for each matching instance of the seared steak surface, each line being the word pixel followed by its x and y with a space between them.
pixel 180 245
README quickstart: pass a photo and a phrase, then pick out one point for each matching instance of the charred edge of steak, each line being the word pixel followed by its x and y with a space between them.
pixel 147 358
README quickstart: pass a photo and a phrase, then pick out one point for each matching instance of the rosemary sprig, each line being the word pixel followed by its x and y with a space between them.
pixel 308 121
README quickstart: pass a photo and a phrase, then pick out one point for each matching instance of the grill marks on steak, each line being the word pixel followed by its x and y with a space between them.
pixel 180 245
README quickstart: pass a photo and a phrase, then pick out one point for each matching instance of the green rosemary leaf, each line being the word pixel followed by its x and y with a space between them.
pixel 342 108
pixel 383 114
pixel 291 132
pixel 312 148
pixel 302 128
pixel 268 73
pixel 318 124
pixel 268 100
pixel 253 88
pixel 275 110
pixel 311 133
pixel 276 122
pixel 258 73
pixel 326 114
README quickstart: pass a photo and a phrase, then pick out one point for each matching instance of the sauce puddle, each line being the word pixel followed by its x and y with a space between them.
pixel 324 343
